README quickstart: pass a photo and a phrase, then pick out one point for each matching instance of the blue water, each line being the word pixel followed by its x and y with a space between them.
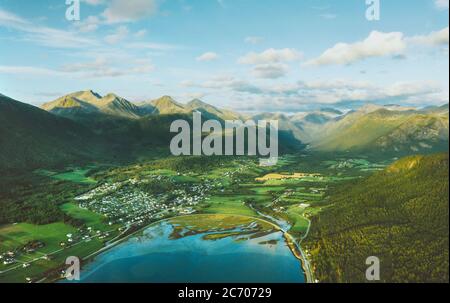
pixel 154 258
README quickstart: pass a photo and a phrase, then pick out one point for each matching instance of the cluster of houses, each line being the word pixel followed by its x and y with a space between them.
pixel 99 191
pixel 124 203
pixel 8 258
pixel 83 234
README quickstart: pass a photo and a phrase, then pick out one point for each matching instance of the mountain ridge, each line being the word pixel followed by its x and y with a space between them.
pixel 389 129
pixel 32 137
pixel 89 102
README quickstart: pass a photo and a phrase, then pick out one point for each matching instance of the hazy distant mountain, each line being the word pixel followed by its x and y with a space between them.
pixel 313 123
pixel 89 102
pixel 285 125
pixel 332 111
pixel 444 109
pixel 31 137
pixel 379 129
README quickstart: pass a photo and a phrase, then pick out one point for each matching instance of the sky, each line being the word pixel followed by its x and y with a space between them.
pixel 247 55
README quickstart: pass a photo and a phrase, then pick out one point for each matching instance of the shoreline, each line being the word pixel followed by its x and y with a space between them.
pixel 293 246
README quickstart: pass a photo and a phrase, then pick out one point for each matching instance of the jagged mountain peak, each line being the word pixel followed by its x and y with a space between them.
pixel 111 97
pixel 197 103
pixel 86 95
pixel 89 102
pixel 167 105
pixel 165 98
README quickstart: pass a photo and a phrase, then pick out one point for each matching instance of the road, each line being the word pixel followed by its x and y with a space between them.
pixel 118 239
pixel 284 227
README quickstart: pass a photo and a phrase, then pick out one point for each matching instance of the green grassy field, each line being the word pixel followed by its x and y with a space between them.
pixel 267 189
pixel 37 269
pixel 228 205
pixel 233 193
pixel 76 175
pixel 91 219
pixel 162 172
pixel 296 215
pixel 13 236
pixel 185 179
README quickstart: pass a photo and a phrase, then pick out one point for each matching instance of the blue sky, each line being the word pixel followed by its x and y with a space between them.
pixel 255 55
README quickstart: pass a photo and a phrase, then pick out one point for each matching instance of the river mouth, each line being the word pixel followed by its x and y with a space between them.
pixel 199 249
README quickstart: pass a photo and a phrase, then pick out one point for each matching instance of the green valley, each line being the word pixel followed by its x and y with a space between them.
pixel 97 171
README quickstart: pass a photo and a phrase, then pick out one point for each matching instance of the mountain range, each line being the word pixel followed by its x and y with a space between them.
pixel 386 130
pixel 86 125
pixel 88 102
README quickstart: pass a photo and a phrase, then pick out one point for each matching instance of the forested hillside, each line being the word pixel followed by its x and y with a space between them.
pixel 32 138
pixel 400 215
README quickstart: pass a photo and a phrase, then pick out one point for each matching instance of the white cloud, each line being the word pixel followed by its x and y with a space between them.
pixel 194 95
pixel 94 2
pixel 262 96
pixel 271 56
pixel 411 88
pixel 28 71
pixel 335 84
pixel 151 46
pixel 377 44
pixel 328 16
pixel 142 66
pixel 270 71
pixel 99 67
pixel 103 67
pixel 98 63
pixel 90 24
pixel 130 10
pixel 141 33
pixel 206 57
pixel 436 38
pixel 9 19
pixel 44 35
pixel 253 40
pixel 120 34
pixel 441 4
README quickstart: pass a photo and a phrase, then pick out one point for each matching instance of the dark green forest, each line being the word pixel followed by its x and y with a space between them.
pixel 400 215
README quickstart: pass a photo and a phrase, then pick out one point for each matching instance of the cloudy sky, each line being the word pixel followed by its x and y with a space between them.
pixel 252 55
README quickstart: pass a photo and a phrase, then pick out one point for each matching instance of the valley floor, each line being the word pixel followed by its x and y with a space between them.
pixel 114 202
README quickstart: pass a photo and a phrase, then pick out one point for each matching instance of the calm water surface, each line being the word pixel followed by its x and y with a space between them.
pixel 153 257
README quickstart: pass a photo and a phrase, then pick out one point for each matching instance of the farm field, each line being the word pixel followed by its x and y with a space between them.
pixel 77 175
pixel 225 189
pixel 39 248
